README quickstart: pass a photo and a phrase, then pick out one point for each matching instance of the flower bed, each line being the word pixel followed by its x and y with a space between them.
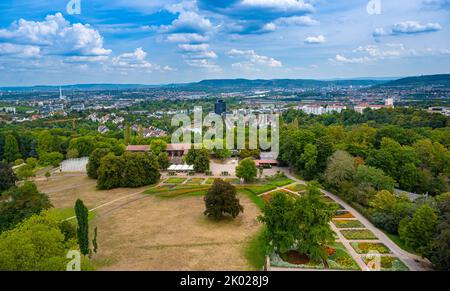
pixel 174 180
pixel 348 224
pixel 343 214
pixel 171 191
pixel 277 261
pixel 340 259
pixel 387 263
pixel 365 248
pixel 268 197
pixel 297 187
pixel 195 181
pixel 359 234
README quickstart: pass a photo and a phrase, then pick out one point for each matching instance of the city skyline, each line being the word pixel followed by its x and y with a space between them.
pixel 185 41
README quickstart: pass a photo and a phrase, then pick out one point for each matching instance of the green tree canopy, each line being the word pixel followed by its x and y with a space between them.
pixel 221 199
pixel 247 169
pixel 21 203
pixel 7 177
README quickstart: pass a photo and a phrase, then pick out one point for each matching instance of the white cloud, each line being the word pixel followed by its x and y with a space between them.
pixel 55 35
pixel 204 64
pixel 280 5
pixel 411 27
pixel 197 51
pixel 253 59
pixel 343 59
pixel 188 22
pixel 297 20
pixel 376 52
pixel 315 39
pixel 289 21
pixel 186 38
pixel 380 31
pixel 19 51
pixel 134 61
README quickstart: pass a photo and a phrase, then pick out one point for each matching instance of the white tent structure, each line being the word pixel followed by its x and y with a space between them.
pixel 181 168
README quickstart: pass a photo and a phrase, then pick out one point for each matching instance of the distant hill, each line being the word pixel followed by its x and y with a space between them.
pixel 245 84
pixel 420 81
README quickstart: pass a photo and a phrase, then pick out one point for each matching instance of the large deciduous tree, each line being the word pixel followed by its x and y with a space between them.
pixel 7 177
pixel 341 168
pixel 221 199
pixel 418 231
pixel 199 158
pixel 247 169
pixel 299 223
pixel 94 161
pixel 21 203
pixel 11 150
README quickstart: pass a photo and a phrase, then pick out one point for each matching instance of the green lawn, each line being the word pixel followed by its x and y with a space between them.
pixel 400 243
pixel 254 198
pixel 178 191
pixel 65 213
pixel 258 189
pixel 174 180
pixel 195 181
pixel 255 251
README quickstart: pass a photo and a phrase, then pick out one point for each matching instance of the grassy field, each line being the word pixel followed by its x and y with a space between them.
pixel 142 231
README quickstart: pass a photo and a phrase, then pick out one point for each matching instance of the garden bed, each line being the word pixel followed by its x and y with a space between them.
pixel 365 248
pixel 348 224
pixel 340 259
pixel 343 214
pixel 174 180
pixel 293 259
pixel 177 191
pixel 195 181
pixel 297 187
pixel 359 234
pixel 387 263
pixel 268 197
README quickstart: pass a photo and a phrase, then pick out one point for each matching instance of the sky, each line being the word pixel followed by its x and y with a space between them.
pixel 52 42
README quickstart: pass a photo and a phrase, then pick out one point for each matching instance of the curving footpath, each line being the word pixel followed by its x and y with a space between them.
pixel 413 262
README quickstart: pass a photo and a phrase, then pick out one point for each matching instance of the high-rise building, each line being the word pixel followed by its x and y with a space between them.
pixel 220 107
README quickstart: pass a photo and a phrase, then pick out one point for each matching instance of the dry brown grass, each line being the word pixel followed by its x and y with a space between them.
pixel 65 189
pixel 162 234
pixel 144 232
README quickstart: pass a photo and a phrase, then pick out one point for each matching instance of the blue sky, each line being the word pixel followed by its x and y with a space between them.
pixel 155 41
